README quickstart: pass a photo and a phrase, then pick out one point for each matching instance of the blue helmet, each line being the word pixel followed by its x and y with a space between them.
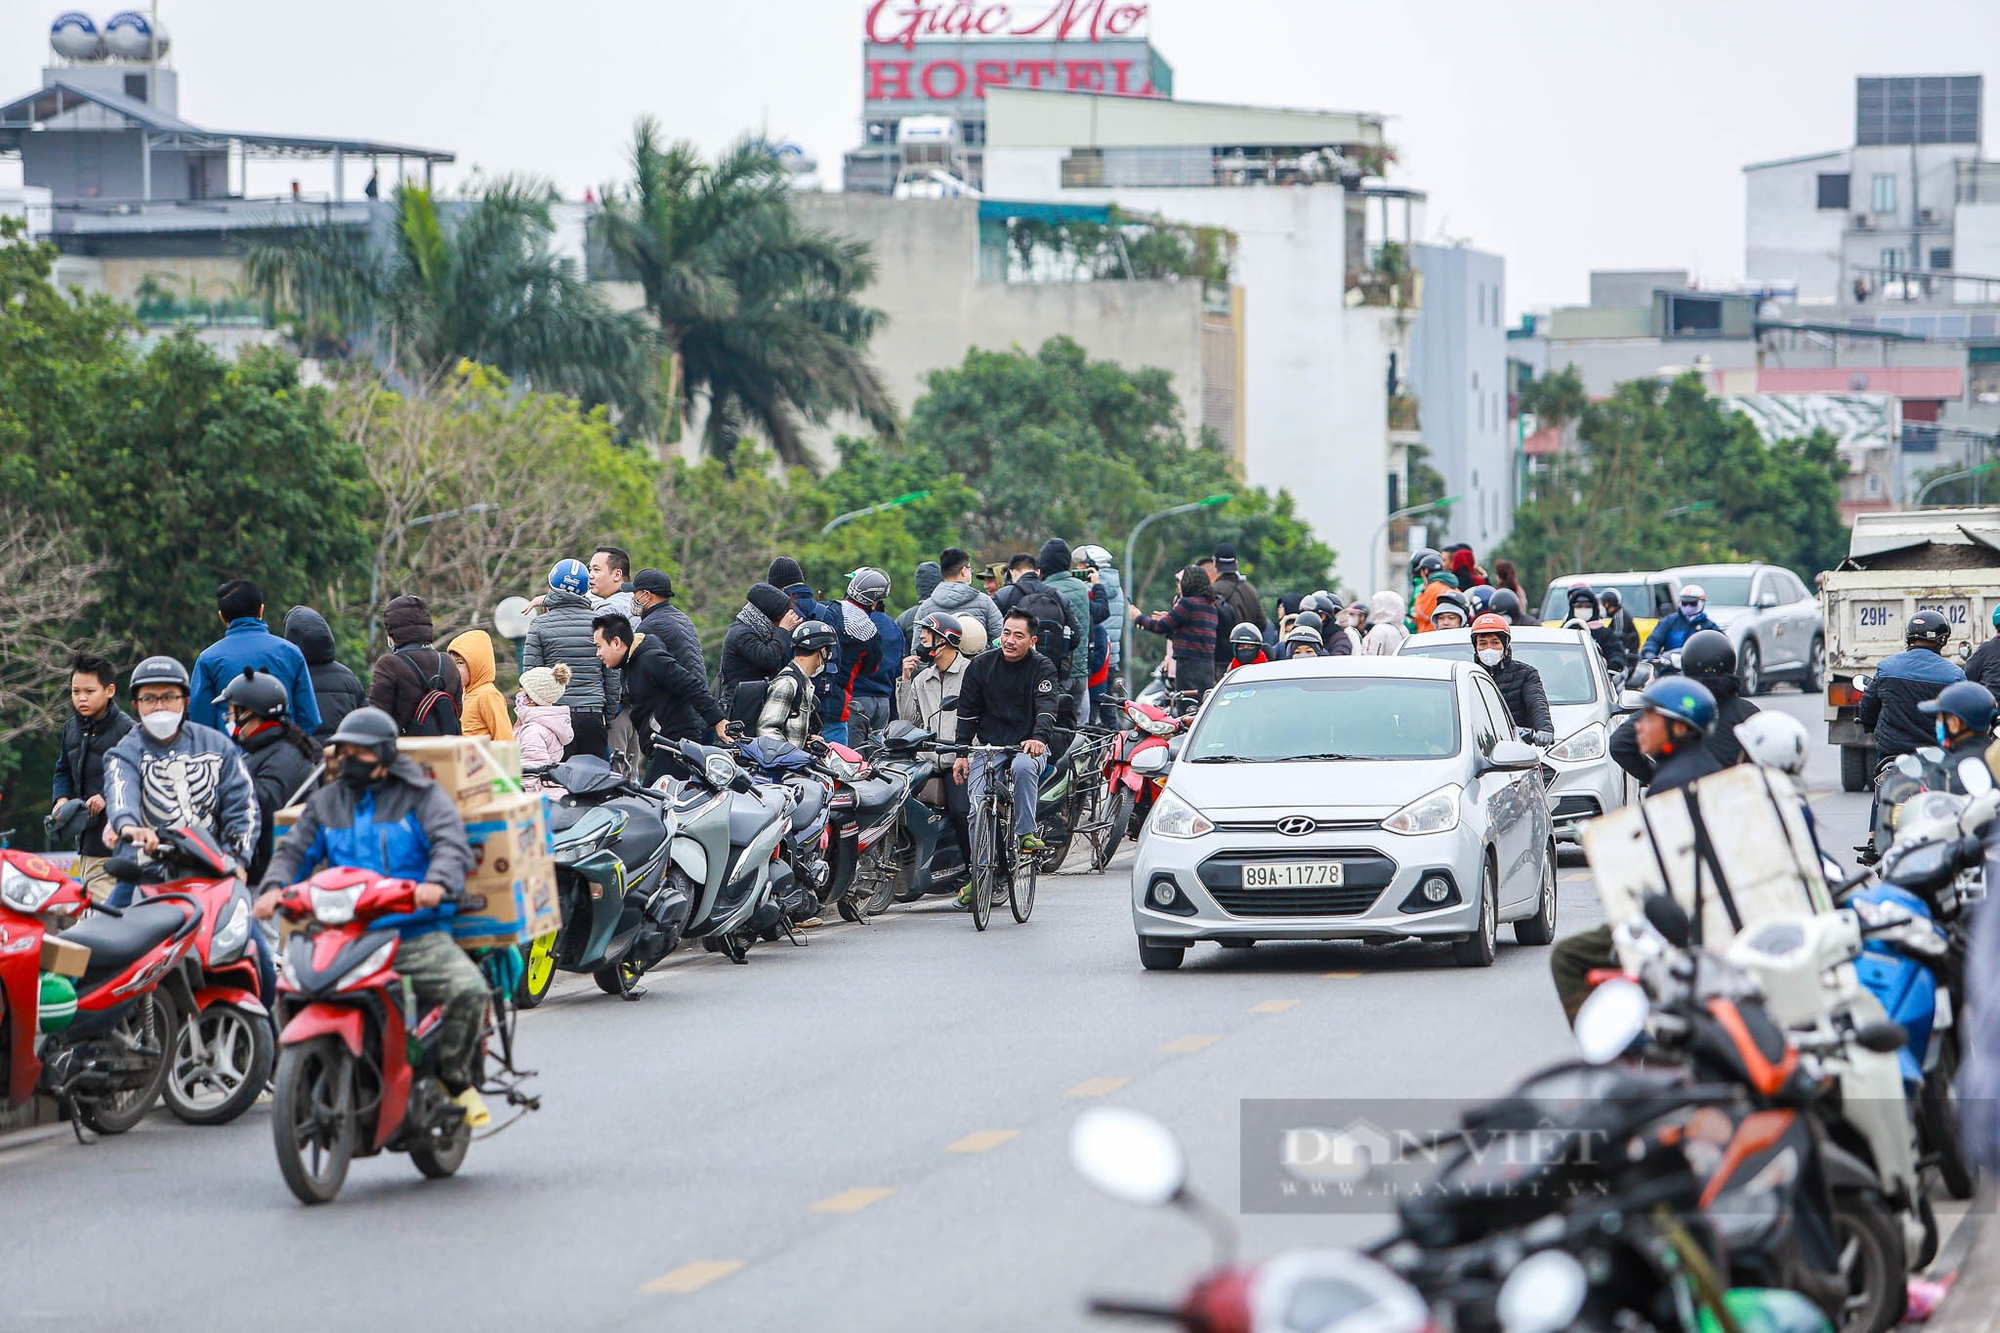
pixel 569 576
pixel 1481 595
pixel 1683 699
pixel 1968 701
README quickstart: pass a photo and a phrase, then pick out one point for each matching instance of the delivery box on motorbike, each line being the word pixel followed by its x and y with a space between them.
pixel 1739 835
pixel 512 872
pixel 467 767
pixel 63 957
pixel 496 912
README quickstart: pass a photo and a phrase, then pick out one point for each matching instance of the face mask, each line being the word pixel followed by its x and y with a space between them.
pixel 927 652
pixel 357 772
pixel 1491 657
pixel 162 725
pixel 1245 654
pixel 1691 609
pixel 1944 737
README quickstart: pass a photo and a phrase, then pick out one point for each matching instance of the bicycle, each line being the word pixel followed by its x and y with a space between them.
pixel 995 850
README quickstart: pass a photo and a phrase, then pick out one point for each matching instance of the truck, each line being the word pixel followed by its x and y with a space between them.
pixel 1943 560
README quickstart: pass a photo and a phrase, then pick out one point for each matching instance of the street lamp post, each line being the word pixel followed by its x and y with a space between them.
pixel 908 499
pixel 382 553
pixel 1132 593
pixel 1374 566
pixel 1935 482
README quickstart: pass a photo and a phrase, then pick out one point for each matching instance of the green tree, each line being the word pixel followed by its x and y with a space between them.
pixel 1664 476
pixel 760 313
pixel 471 281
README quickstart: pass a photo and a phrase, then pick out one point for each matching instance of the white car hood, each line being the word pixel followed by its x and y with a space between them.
pixel 1351 789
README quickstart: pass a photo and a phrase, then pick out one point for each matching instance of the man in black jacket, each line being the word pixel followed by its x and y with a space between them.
pixel 759 641
pixel 1010 698
pixel 667 701
pixel 1520 684
pixel 1984 664
pixel 87 737
pixel 1892 706
pixel 1619 621
pixel 1710 659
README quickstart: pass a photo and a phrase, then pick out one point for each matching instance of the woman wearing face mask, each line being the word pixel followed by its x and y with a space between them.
pixel 1520 684
pixel 282 759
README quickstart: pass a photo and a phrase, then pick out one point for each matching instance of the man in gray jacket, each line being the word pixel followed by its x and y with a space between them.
pixel 561 633
pixel 955 595
pixel 1108 579
pixel 1054 565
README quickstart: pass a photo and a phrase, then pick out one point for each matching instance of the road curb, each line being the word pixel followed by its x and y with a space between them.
pixel 1972 1303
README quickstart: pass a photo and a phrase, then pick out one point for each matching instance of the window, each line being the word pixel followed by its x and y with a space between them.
pixel 1663 601
pixel 1882 193
pixel 1480 399
pixel 135 87
pixel 1892 259
pixel 1567 676
pixel 1482 303
pixel 1833 191
pixel 1364 717
pixel 1941 259
pixel 1693 316
pixel 1790 588
pixel 1487 720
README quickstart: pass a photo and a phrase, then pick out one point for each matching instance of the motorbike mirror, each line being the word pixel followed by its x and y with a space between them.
pixel 1128 1155
pixel 1153 759
pixel 1864 682
pixel 1975 776
pixel 1670 919
pixel 1608 1023
pixel 947 705
pixel 1545 1292
pixel 1630 701
pixel 1883 1038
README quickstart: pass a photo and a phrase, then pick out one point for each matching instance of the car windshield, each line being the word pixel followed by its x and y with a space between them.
pixel 1341 717
pixel 1565 667
pixel 1636 597
pixel 1723 589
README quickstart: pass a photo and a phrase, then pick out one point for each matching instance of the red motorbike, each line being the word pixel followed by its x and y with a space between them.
pixel 224 1050
pixel 105 1038
pixel 1133 792
pixel 357 1063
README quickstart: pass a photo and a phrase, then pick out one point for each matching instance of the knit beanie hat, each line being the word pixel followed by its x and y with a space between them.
pixel 771 601
pixel 1054 558
pixel 546 685
pixel 929 574
pixel 784 572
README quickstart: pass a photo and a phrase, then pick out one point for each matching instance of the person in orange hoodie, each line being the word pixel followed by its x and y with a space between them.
pixel 485 707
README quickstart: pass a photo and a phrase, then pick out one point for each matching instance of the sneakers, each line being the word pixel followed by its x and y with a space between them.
pixel 965 897
pixel 474 1106
pixel 1032 843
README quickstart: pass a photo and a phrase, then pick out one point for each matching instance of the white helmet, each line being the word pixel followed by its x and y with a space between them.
pixel 1693 592
pixel 1775 740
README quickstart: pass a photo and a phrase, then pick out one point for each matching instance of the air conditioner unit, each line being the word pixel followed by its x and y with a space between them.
pixel 1862 222
pixel 1927 215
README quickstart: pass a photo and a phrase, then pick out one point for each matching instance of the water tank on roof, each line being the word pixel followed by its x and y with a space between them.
pixel 74 36
pixel 128 34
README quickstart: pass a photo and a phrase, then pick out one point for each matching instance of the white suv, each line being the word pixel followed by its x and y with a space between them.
pixel 1777 626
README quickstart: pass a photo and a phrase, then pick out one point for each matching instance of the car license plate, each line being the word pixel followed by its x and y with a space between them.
pixel 1293 875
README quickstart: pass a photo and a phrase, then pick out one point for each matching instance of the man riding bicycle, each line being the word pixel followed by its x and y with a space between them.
pixel 1010 698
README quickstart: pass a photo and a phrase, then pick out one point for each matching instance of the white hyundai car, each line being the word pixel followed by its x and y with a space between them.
pixel 1370 798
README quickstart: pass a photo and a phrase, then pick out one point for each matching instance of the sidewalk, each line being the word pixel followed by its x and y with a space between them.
pixel 1973 1303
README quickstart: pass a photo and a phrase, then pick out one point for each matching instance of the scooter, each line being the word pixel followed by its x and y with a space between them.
pixel 620 916
pixel 107 1003
pixel 728 852
pixel 357 1069
pixel 1132 792
pixel 920 852
pixel 226 1047
pixel 780 763
pixel 866 810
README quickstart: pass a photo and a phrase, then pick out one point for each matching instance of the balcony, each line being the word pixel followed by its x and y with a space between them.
pixel 1403 414
pixel 1978 182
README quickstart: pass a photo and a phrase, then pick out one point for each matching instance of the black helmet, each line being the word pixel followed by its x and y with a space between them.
pixel 1426 561
pixel 1927 629
pixel 256 692
pixel 1310 619
pixel 1505 603
pixel 1581 594
pixel 371 729
pixel 868 586
pixel 1246 633
pixel 814 636
pixel 941 623
pixel 159 671
pixel 1968 701
pixel 1449 600
pixel 1612 599
pixel 1708 654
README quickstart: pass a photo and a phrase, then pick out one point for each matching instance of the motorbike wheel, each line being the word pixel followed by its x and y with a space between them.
pixel 153 1022
pixel 312 1118
pixel 881 869
pixel 1021 889
pixel 1121 814
pixel 1937 1122
pixel 437 1163
pixel 607 977
pixel 539 976
pixel 240 1049
pixel 1871 1262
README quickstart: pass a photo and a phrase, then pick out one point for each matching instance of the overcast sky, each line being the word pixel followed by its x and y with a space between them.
pixel 1563 135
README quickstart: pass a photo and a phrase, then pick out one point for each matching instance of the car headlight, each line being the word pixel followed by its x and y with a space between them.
pixel 22 891
pixel 1435 813
pixel 226 945
pixel 1175 818
pixel 719 770
pixel 1585 744
pixel 367 967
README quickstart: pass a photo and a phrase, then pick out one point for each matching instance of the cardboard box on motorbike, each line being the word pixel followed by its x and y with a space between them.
pixel 471 769
pixel 1741 834
pixel 512 872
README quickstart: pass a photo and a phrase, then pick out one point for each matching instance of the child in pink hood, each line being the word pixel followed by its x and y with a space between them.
pixel 541 722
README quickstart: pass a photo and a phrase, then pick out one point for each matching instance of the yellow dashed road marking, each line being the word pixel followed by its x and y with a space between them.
pixel 694 1276
pixel 1190 1043
pixel 854 1200
pixel 1272 1006
pixel 984 1140
pixel 1342 976
pixel 1097 1087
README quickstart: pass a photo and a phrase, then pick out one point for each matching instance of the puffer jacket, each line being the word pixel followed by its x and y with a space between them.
pixel 80 768
pixel 1113 584
pixel 1889 706
pixel 335 688
pixel 543 732
pixel 561 633
pixel 677 634
pixel 967 603
pixel 1527 702
pixel 1076 593
pixel 753 649
pixel 881 682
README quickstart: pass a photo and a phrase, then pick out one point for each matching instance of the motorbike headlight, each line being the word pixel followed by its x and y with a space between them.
pixel 367 967
pixel 719 770
pixel 334 907
pixel 1435 813
pixel 1175 818
pixel 1585 744
pixel 22 891
pixel 226 945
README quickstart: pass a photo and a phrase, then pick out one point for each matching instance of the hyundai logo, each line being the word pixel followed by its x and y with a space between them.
pixel 1297 826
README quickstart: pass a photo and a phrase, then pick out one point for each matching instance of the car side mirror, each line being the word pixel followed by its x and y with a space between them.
pixel 1766 600
pixel 1151 760
pixel 1513 756
pixel 1630 701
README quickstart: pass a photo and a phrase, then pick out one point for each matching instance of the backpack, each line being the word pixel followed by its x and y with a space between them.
pixel 746 701
pixel 436 714
pixel 1225 621
pixel 1048 608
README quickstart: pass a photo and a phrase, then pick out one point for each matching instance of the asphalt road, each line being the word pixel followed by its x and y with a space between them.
pixel 867 1133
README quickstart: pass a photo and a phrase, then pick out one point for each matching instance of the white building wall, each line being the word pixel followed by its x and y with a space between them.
pixel 1788 237
pixel 1976 244
pixel 1925 183
pixel 1458 370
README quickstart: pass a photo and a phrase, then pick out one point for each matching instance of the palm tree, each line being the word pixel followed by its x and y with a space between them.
pixel 759 312
pixel 477 284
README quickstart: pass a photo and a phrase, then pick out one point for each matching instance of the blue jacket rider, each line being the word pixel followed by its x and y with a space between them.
pixel 1676 629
